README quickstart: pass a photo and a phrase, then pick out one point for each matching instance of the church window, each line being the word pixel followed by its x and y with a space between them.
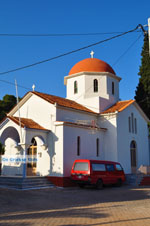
pixel 132 119
pixel 113 88
pixel 97 147
pixel 135 124
pixel 133 153
pixel 132 123
pixel 95 83
pixel 129 121
pixel 75 87
pixel 78 146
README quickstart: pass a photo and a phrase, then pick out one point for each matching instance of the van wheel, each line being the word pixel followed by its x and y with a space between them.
pixel 99 184
pixel 119 183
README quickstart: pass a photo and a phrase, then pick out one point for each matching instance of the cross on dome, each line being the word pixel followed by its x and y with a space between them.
pixel 92 54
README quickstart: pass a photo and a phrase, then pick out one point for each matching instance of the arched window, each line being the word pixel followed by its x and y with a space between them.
pixel 133 154
pixel 132 124
pixel 75 87
pixel 132 119
pixel 113 88
pixel 95 85
pixel 78 145
pixel 97 147
pixel 33 142
pixel 129 124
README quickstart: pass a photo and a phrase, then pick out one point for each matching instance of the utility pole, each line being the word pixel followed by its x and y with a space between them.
pixel 149 33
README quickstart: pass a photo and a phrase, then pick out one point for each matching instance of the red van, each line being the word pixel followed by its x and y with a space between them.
pixel 98 173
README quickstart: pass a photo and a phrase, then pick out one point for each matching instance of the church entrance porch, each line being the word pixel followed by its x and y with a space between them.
pixel 32 159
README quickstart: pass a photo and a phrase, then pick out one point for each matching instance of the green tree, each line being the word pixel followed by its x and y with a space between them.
pixel 6 105
pixel 142 92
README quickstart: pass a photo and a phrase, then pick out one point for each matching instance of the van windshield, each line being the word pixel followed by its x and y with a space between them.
pixel 81 166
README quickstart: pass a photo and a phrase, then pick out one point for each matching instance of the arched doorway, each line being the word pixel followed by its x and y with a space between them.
pixel 133 148
pixel 9 139
pixel 32 158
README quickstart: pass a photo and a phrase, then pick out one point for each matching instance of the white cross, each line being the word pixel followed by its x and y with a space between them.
pixel 33 87
pixel 92 54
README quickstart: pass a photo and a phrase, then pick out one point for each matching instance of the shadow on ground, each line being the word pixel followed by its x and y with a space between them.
pixel 64 203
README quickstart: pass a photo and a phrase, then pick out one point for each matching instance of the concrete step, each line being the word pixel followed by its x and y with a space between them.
pixel 24 183
pixel 133 179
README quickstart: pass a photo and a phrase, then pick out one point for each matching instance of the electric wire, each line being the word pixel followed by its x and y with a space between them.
pixel 112 65
pixel 127 50
pixel 68 53
pixel 58 35
pixel 11 83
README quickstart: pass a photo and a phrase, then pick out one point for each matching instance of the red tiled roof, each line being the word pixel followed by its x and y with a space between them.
pixel 62 102
pixel 119 106
pixel 28 123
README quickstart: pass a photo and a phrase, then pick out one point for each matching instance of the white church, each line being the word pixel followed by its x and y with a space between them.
pixel 44 134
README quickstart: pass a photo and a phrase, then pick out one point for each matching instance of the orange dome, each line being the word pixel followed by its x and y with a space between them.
pixel 91 65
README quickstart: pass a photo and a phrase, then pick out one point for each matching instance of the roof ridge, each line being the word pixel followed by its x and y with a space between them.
pixel 57 97
pixel 46 94
pixel 67 101
pixel 118 106
pixel 124 100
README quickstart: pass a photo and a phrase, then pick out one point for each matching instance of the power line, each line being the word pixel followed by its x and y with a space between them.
pixel 11 83
pixel 68 53
pixel 58 35
pixel 127 50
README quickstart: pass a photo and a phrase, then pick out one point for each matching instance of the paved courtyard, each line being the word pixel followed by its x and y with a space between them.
pixel 75 206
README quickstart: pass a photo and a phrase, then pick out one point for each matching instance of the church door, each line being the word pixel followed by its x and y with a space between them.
pixel 32 158
pixel 133 156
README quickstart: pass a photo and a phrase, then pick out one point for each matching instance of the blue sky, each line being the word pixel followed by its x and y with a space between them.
pixel 69 16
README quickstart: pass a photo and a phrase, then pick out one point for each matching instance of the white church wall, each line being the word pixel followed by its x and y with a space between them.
pixel 43 161
pixel 124 138
pixel 92 103
pixel 96 101
pixel 89 86
pixel 110 99
pixel 39 110
pixel 74 116
pixel 56 152
pixel 70 87
pixel 87 146
pixel 110 136
pixel 11 165
pixel 43 150
pixel 114 97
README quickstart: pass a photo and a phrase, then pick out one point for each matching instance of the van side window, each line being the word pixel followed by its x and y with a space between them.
pixel 110 167
pixel 118 167
pixel 98 167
